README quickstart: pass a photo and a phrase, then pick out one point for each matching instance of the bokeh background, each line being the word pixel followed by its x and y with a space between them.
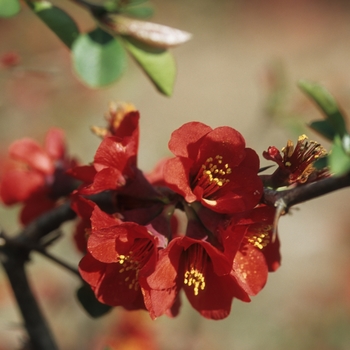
pixel 240 69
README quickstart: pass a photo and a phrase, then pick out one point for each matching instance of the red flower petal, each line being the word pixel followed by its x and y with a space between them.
pixel 185 140
pixel 214 167
pixel 176 176
pixel 105 233
pixel 128 126
pixel 208 286
pixel 251 160
pixel 82 206
pixel 113 154
pixel 242 193
pixel 272 255
pixel 91 270
pixel 31 153
pixel 161 291
pixel 85 173
pixel 250 269
pixel 214 302
pixel 54 143
pixel 106 179
pixel 223 141
pixel 126 243
pixel 18 185
pixel 35 206
pixel 109 285
pixel 164 276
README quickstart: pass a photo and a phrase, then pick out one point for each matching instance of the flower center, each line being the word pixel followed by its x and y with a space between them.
pixel 299 160
pixel 212 175
pixel 196 261
pixel 133 262
pixel 260 237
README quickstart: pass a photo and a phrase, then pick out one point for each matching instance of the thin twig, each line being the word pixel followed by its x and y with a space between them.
pixel 56 260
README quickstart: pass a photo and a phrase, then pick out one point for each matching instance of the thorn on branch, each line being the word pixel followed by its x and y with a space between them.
pixel 284 200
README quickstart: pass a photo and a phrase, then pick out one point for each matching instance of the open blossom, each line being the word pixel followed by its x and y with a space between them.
pixel 258 252
pixel 198 268
pixel 213 275
pixel 116 157
pixel 117 124
pixel 38 178
pixel 295 164
pixel 214 167
pixel 120 255
pixel 115 163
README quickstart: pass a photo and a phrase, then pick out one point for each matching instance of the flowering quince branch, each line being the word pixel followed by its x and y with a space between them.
pixel 297 195
pixel 135 253
pixel 13 260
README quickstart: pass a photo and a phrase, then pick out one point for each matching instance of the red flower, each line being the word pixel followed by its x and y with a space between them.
pixel 295 164
pixel 213 167
pixel 201 270
pixel 83 208
pixel 120 255
pixel 258 252
pixel 39 179
pixel 122 120
pixel 115 159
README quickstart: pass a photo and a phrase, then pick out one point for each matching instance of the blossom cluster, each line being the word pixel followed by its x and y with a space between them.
pixel 196 225
pixel 140 255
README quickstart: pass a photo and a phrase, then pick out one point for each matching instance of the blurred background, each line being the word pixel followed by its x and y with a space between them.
pixel 240 69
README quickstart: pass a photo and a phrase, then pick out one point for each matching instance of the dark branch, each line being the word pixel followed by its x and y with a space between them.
pixel 13 256
pixel 13 260
pixel 45 224
pixel 303 193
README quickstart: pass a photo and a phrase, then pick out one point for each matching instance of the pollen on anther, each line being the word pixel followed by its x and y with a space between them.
pixel 260 238
pixel 196 279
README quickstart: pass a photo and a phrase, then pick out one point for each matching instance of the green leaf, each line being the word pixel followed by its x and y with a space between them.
pixel 338 159
pixel 139 12
pixel 135 2
pixel 321 163
pixel 111 5
pixel 9 8
pixel 325 128
pixel 99 58
pixel 88 300
pixel 328 105
pixel 57 20
pixel 120 5
pixel 158 64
